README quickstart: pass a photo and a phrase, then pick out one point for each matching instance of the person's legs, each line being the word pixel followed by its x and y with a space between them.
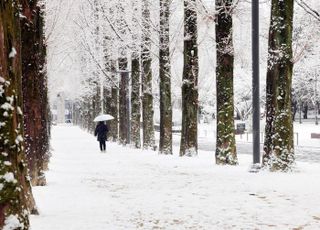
pixel 101 145
pixel 104 146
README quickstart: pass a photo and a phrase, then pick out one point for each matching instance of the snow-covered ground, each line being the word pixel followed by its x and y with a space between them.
pixel 133 189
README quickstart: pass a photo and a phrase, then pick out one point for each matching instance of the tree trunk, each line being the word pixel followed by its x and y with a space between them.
pixel 96 105
pixel 91 113
pixel 147 100
pixel 123 102
pixel 225 144
pixel 189 132
pixel 16 195
pixel 135 82
pixel 34 85
pixel 107 83
pixel 135 101
pixel 165 145
pixel 106 100
pixel 278 146
pixel 114 126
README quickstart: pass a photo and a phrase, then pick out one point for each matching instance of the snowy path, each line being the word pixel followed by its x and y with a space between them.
pixel 131 189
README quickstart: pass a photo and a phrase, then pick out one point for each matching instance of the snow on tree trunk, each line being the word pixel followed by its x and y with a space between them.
pixel 278 147
pixel 189 132
pixel 34 86
pixel 225 144
pixel 165 144
pixel 16 198
pixel 147 97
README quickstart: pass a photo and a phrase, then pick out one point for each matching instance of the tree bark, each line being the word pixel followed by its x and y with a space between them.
pixel 34 85
pixel 189 132
pixel 278 147
pixel 225 144
pixel 15 193
pixel 165 144
pixel 147 99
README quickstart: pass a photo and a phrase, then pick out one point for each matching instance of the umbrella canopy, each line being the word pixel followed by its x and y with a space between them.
pixel 103 117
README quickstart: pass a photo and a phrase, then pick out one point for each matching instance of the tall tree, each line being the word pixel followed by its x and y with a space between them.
pixel 124 127
pixel 109 14
pixel 135 81
pixel 189 132
pixel 165 144
pixel 147 97
pixel 34 85
pixel 278 145
pixel 123 101
pixel 99 97
pixel 16 198
pixel 225 144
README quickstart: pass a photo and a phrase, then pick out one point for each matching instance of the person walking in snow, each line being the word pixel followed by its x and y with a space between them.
pixel 101 132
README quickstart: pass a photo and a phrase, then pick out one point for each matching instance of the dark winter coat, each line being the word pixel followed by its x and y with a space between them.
pixel 101 131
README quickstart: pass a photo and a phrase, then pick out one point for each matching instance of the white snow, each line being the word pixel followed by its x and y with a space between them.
pixel 19 139
pixel 132 189
pixel 12 222
pixel 21 16
pixel 7 163
pixel 9 177
pixel 1 89
pixel 19 110
pixel 6 106
pixel 13 53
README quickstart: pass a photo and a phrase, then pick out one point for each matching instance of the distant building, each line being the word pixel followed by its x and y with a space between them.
pixel 61 109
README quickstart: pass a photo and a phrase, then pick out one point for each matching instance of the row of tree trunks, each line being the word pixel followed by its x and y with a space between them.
pixel 189 132
pixel 16 200
pixel 165 143
pixel 278 147
pixel 225 144
pixel 35 102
